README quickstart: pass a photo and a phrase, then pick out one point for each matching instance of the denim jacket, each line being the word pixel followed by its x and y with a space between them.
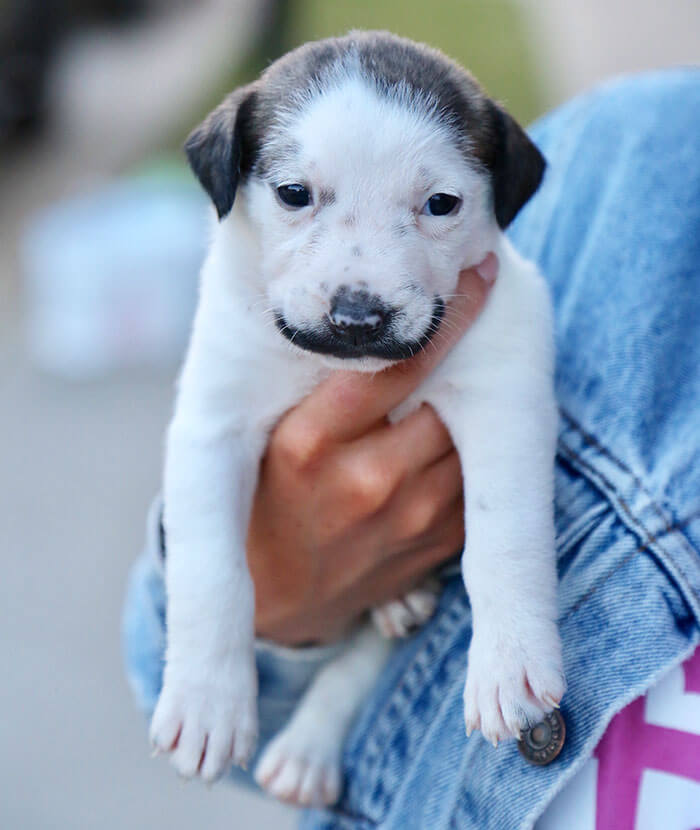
pixel 615 228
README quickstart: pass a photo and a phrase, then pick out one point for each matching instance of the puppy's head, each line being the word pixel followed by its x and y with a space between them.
pixel 373 170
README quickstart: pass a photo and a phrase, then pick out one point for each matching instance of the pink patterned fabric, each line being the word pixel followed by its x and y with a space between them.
pixel 632 745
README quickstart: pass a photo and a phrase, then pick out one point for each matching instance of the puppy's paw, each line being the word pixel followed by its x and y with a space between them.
pixel 402 617
pixel 206 719
pixel 299 769
pixel 512 682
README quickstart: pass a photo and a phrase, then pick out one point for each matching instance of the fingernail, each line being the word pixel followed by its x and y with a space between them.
pixel 487 269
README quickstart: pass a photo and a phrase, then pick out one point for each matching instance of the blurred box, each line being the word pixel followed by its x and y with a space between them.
pixel 111 277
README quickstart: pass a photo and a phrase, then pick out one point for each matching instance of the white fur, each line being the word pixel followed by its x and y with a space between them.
pixel 493 391
pixel 403 616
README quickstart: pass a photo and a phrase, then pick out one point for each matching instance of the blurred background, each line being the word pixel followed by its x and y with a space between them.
pixel 101 235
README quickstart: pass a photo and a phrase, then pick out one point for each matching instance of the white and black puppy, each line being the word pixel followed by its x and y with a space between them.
pixel 353 182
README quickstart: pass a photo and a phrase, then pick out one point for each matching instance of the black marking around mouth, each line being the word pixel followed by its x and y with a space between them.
pixel 321 340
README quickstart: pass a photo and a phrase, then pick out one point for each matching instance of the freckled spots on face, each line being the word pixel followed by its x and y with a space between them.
pixel 356 250
pixel 326 197
pixel 315 236
pixel 350 220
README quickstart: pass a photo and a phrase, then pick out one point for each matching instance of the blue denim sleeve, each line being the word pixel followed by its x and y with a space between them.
pixel 615 229
pixel 283 673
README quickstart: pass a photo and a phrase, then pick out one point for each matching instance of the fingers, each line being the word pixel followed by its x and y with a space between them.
pixel 395 576
pixel 388 455
pixel 349 403
pixel 421 506
pixel 422 526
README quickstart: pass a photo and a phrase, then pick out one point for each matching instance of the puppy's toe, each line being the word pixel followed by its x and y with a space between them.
pixel 299 774
pixel 422 603
pixel 402 617
pixel 512 684
pixel 204 727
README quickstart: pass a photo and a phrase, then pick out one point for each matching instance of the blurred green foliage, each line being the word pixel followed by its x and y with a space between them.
pixel 488 37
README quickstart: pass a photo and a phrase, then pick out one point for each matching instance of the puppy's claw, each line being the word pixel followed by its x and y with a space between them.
pixel 550 701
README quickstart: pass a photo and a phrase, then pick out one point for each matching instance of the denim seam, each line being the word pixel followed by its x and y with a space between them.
pixel 650 540
pixel 592 441
pixel 579 528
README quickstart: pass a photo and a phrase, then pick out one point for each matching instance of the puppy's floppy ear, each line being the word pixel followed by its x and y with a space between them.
pixel 216 148
pixel 516 167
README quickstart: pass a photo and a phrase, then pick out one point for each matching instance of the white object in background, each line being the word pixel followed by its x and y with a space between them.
pixel 111 278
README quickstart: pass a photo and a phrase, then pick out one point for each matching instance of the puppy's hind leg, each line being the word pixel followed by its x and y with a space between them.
pixel 302 764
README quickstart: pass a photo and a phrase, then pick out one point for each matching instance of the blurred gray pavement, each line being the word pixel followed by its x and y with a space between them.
pixel 79 464
pixel 78 467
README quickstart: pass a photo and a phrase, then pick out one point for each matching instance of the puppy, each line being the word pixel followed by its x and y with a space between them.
pixel 353 182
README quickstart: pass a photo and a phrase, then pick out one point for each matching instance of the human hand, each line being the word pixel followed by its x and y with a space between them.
pixel 351 511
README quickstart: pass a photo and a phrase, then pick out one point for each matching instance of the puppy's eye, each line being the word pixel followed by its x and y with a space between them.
pixel 294 195
pixel 440 204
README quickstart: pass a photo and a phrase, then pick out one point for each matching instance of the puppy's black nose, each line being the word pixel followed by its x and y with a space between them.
pixel 357 317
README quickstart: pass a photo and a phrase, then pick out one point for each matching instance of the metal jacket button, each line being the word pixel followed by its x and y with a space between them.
pixel 544 741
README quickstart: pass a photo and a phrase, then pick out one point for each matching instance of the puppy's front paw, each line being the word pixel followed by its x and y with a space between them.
pixel 402 617
pixel 300 769
pixel 512 681
pixel 206 718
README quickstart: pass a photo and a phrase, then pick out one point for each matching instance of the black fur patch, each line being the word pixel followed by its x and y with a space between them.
pixel 326 197
pixel 219 149
pixel 226 147
pixel 515 164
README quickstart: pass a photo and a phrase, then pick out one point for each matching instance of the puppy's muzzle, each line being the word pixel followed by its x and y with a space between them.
pixel 358 325
pixel 357 317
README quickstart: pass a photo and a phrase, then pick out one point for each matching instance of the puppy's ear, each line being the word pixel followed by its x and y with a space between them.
pixel 516 167
pixel 216 149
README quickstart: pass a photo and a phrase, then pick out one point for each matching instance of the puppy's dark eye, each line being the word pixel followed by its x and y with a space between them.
pixel 294 195
pixel 440 204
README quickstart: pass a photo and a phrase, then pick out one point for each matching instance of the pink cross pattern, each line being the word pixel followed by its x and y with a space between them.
pixel 630 745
